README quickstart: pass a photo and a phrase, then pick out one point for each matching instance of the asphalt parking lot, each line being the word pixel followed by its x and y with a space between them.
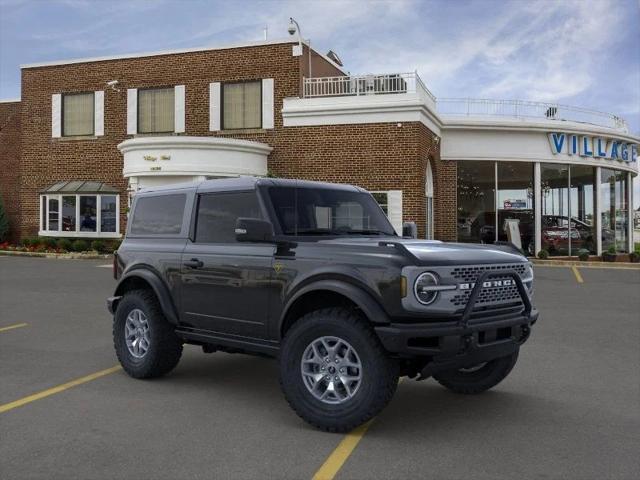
pixel 570 409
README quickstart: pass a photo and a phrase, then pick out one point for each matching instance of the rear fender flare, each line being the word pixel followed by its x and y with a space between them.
pixel 157 285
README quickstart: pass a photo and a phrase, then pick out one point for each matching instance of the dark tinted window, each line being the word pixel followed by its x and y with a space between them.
pixel 325 211
pixel 218 212
pixel 161 215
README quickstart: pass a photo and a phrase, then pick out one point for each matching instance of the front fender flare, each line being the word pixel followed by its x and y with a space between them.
pixel 364 301
pixel 159 288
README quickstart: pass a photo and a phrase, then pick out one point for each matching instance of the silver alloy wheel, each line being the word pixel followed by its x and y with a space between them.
pixel 331 370
pixel 136 333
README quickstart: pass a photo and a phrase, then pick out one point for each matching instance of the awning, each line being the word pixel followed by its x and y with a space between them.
pixel 80 186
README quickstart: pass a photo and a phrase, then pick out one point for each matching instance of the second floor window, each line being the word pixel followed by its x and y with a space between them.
pixel 241 105
pixel 156 110
pixel 78 114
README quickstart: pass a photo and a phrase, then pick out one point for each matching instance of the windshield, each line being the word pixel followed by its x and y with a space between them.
pixel 324 211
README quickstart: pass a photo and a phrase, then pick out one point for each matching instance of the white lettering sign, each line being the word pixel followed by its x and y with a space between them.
pixel 597 147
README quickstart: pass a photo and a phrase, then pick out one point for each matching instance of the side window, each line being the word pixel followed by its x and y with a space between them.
pixel 218 212
pixel 158 215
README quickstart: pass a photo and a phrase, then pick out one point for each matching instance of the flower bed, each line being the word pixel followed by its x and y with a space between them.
pixel 44 245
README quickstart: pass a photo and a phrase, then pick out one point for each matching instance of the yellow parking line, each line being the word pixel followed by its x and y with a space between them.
pixel 345 448
pixel 11 327
pixel 334 463
pixel 577 274
pixel 60 388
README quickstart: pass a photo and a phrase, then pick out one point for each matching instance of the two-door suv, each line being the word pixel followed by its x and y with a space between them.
pixel 314 274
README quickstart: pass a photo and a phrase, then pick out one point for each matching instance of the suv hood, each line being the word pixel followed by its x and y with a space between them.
pixel 433 252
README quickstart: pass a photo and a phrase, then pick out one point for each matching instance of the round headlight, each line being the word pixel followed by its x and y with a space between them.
pixel 424 288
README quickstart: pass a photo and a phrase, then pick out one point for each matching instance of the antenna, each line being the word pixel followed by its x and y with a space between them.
pixel 266 32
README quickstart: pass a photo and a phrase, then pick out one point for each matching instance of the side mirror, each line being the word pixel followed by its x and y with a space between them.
pixel 254 230
pixel 410 230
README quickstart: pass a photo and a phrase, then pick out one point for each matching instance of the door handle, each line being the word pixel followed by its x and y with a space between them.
pixel 194 263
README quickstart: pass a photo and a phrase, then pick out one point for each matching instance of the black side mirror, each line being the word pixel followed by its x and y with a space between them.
pixel 254 230
pixel 410 230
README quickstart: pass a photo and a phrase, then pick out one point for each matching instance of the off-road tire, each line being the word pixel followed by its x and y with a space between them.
pixel 487 377
pixel 166 348
pixel 379 372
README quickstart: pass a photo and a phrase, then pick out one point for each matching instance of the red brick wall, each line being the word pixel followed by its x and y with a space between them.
pixel 10 163
pixel 374 156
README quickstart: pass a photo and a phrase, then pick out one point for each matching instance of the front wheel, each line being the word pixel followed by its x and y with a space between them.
pixel 479 378
pixel 333 370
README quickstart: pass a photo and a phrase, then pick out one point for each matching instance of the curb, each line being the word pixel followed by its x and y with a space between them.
pixel 574 263
pixel 59 256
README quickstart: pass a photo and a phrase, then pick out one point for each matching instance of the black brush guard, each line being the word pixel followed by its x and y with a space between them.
pixel 468 341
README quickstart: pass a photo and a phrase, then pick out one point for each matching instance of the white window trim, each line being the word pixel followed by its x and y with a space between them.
pixel 179 109
pixel 215 112
pixel 98 113
pixel 45 232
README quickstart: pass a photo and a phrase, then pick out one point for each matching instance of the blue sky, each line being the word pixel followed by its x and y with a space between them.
pixel 578 52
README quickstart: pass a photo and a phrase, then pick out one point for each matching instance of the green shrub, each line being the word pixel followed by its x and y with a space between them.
pixel 80 245
pixel 30 242
pixel 113 245
pixel 64 244
pixel 98 246
pixel 583 254
pixel 543 254
pixel 611 249
pixel 48 242
pixel 4 223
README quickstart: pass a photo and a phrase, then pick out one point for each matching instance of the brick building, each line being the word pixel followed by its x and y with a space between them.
pixel 88 133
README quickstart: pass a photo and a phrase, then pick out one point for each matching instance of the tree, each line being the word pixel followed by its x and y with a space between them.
pixel 4 222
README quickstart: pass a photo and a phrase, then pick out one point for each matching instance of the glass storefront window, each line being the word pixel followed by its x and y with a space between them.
pixel 476 201
pixel 69 214
pixel 554 189
pixel 582 206
pixel 515 201
pixel 614 210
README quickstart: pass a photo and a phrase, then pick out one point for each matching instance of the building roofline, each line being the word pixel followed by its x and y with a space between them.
pixel 124 56
pixel 10 100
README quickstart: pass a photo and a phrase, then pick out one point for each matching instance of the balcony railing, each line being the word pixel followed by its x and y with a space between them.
pixel 525 109
pixel 356 85
pixel 399 83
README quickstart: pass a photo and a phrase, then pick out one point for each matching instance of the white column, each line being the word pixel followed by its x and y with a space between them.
pixel 630 211
pixel 598 212
pixel 537 202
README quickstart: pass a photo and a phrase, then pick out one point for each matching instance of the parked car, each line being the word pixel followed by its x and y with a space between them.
pixel 314 274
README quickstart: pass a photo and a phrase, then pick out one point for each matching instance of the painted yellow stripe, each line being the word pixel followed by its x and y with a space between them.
pixel 345 448
pixel 11 327
pixel 577 274
pixel 60 388
pixel 334 463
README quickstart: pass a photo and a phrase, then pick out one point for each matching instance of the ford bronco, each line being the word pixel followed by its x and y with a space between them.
pixel 315 275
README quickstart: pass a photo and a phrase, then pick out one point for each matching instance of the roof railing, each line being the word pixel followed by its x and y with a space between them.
pixel 526 110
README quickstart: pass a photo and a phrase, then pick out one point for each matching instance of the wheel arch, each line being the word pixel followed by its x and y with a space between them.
pixel 330 293
pixel 142 278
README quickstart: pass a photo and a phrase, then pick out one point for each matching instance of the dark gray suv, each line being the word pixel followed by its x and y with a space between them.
pixel 314 274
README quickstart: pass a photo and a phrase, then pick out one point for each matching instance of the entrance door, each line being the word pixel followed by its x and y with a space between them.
pixel 225 284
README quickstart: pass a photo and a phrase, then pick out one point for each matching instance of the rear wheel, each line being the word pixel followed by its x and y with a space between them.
pixel 145 342
pixel 478 378
pixel 333 370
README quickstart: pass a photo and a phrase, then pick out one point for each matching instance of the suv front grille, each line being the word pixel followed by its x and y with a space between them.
pixel 488 295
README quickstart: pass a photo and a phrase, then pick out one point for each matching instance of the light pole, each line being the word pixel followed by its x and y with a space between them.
pixel 293 28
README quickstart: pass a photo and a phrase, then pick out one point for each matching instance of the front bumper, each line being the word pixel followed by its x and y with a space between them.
pixel 476 336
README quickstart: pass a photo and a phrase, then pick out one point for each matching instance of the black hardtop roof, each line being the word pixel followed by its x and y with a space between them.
pixel 244 183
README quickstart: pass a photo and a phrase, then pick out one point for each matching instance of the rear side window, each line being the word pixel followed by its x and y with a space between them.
pixel 159 215
pixel 218 212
